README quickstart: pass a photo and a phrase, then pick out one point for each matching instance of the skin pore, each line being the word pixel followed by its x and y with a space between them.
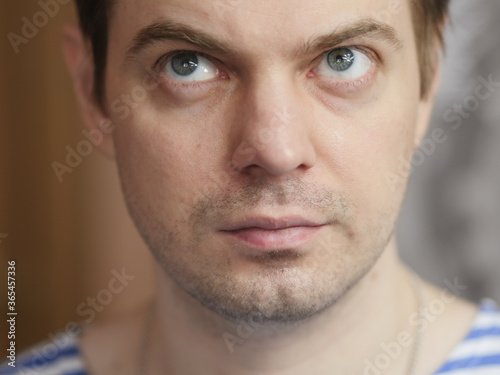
pixel 266 127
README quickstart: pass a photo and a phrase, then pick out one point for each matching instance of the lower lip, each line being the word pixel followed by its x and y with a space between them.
pixel 275 239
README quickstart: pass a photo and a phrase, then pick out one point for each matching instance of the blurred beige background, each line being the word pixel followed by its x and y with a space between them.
pixel 67 237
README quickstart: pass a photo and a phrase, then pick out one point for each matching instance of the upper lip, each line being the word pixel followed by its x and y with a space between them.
pixel 270 223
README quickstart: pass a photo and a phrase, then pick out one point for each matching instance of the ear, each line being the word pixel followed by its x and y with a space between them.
pixel 79 59
pixel 427 104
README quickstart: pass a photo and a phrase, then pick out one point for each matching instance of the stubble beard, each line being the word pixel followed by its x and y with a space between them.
pixel 281 287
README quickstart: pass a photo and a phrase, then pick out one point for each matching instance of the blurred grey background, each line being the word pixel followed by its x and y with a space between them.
pixel 450 222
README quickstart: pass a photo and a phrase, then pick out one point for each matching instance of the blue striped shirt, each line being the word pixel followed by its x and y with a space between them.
pixel 477 354
pixel 60 356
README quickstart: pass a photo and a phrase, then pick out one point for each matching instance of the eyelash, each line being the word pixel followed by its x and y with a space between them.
pixel 159 65
pixel 346 84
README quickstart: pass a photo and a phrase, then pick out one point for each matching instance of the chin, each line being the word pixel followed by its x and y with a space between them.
pixel 267 295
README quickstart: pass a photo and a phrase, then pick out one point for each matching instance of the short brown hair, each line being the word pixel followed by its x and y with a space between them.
pixel 428 21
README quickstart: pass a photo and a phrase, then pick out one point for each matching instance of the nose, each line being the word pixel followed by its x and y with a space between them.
pixel 274 131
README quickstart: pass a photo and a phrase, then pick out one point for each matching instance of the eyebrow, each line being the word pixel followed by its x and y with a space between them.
pixel 168 30
pixel 364 28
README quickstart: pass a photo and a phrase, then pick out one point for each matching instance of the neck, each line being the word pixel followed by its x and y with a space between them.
pixel 345 338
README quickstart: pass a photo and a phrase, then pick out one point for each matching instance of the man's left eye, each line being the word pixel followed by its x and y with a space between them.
pixel 344 64
pixel 190 67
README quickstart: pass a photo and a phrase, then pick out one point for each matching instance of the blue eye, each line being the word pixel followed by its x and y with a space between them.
pixel 190 67
pixel 344 64
pixel 341 59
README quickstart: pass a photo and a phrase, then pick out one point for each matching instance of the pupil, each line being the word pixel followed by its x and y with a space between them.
pixel 185 64
pixel 341 59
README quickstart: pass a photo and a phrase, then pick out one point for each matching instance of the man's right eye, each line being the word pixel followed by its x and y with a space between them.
pixel 190 67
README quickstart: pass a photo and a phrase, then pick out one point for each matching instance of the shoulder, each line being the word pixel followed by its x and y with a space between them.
pixel 479 351
pixel 60 355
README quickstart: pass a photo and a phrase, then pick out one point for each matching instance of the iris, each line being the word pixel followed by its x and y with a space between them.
pixel 184 64
pixel 340 59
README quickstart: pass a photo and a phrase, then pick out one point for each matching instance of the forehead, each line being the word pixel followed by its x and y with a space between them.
pixel 257 24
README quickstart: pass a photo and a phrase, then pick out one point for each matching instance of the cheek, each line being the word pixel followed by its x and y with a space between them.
pixel 367 150
pixel 166 158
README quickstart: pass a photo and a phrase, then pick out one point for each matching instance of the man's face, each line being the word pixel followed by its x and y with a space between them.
pixel 256 168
